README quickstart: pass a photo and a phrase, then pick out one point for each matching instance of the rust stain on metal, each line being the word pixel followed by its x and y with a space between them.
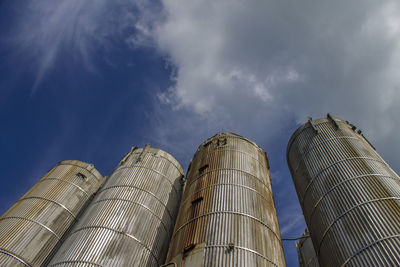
pixel 349 195
pixel 227 216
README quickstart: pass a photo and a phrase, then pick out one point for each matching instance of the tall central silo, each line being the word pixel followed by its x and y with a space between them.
pixel 131 219
pixel 349 195
pixel 227 216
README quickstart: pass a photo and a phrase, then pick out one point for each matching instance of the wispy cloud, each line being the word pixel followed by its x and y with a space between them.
pixel 48 30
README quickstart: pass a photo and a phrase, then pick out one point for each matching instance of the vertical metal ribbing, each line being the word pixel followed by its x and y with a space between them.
pixel 131 219
pixel 306 252
pixel 33 227
pixel 349 195
pixel 227 214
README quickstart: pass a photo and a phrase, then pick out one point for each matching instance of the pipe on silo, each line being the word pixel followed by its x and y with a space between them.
pixel 349 195
pixel 131 219
pixel 34 226
pixel 227 216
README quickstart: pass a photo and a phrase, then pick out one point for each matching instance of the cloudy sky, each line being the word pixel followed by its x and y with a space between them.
pixel 89 79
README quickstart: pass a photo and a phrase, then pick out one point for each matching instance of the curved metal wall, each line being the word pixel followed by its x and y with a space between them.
pixel 131 219
pixel 35 224
pixel 227 216
pixel 306 252
pixel 349 195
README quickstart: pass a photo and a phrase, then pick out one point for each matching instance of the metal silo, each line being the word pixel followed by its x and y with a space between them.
pixel 227 216
pixel 131 219
pixel 306 252
pixel 349 195
pixel 33 227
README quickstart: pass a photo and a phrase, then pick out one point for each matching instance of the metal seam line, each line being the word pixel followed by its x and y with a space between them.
pixel 139 204
pixel 227 169
pixel 118 232
pixel 345 181
pixel 235 150
pixel 147 168
pixel 65 181
pixel 4 251
pixel 229 212
pixel 72 261
pixel 160 156
pixel 333 164
pixel 83 168
pixel 30 220
pixel 303 156
pixel 368 246
pixel 348 211
pixel 241 138
pixel 303 129
pixel 46 199
pixel 138 188
pixel 213 185
pixel 311 260
pixel 179 170
pixel 246 249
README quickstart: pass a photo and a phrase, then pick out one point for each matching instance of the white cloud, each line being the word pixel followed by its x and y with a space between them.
pixel 243 63
pixel 246 62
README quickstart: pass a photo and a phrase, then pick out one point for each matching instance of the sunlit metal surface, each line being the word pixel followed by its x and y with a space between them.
pixel 32 228
pixel 130 221
pixel 306 252
pixel 349 195
pixel 227 215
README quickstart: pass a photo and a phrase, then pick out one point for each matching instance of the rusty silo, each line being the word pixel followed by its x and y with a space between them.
pixel 34 225
pixel 306 252
pixel 227 216
pixel 131 219
pixel 349 195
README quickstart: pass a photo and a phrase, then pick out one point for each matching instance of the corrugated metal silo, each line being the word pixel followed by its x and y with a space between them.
pixel 349 195
pixel 306 252
pixel 33 227
pixel 227 215
pixel 131 219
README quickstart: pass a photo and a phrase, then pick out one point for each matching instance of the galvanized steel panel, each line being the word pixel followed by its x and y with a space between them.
pixel 33 227
pixel 349 195
pixel 131 219
pixel 227 215
pixel 306 252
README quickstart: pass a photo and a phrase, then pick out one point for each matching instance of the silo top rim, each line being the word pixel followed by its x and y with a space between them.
pixel 167 156
pixel 84 165
pixel 229 134
pixel 305 126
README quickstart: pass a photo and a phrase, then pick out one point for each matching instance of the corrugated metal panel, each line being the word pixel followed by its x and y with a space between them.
pixel 227 216
pixel 349 195
pixel 130 221
pixel 306 252
pixel 34 225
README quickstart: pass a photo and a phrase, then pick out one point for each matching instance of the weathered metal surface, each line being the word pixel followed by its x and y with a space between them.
pixel 349 195
pixel 131 219
pixel 227 215
pixel 32 228
pixel 306 252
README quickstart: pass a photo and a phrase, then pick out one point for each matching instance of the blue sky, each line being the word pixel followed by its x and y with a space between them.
pixel 89 79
